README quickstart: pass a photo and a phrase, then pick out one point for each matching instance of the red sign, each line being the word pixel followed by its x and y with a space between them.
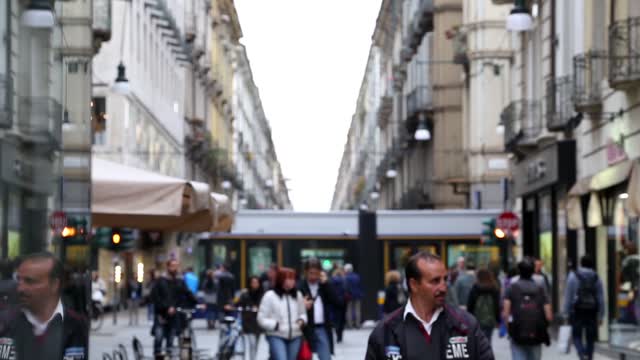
pixel 508 221
pixel 58 221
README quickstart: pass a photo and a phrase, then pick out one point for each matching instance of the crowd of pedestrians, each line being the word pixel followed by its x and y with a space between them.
pixel 517 304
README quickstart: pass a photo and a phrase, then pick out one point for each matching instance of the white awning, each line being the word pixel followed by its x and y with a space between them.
pixel 123 196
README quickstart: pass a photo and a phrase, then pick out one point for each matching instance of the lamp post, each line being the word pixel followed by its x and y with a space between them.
pixel 39 14
pixel 519 19
pixel 422 133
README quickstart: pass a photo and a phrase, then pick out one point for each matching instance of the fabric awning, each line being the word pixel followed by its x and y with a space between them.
pixel 611 176
pixel 123 196
pixel 633 202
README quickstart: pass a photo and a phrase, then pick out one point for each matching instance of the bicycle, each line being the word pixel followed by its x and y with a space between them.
pixel 187 348
pixel 232 340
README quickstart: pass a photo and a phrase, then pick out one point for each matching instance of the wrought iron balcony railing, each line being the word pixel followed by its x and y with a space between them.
pixel 5 100
pixel 522 123
pixel 588 72
pixel 102 19
pixel 624 52
pixel 419 100
pixel 40 118
pixel 559 109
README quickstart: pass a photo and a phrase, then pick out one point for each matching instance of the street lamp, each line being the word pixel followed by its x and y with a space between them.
pixel 519 19
pixel 121 85
pixel 422 133
pixel 374 195
pixel 391 173
pixel 269 183
pixel 39 14
pixel 226 185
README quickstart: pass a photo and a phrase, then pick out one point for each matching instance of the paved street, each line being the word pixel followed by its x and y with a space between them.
pixel 353 347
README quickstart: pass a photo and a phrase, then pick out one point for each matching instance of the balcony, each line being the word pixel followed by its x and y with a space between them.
pixel 5 96
pixel 102 20
pixel 384 111
pixel 522 124
pixel 421 24
pixel 419 100
pixel 588 71
pixel 624 51
pixel 560 111
pixel 40 120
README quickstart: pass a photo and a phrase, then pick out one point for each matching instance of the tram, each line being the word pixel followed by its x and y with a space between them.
pixel 374 242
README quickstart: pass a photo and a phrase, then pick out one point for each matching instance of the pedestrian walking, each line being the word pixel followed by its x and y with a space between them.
pixel 250 302
pixel 354 297
pixel 146 293
pixel 527 312
pixel 169 293
pixel 191 279
pixel 540 276
pixel 134 291
pixel 209 288
pixel 484 302
pixel 427 327
pixel 464 282
pixel 584 306
pixel 319 297
pixel 282 315
pixel 339 313
pixel 394 296
pixel 226 291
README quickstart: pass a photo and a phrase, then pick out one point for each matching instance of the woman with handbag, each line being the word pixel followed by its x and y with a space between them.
pixel 282 314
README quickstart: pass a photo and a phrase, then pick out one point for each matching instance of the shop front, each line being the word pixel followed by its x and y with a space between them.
pixel 604 208
pixel 542 181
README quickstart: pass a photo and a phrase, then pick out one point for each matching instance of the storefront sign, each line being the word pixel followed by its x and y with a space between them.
pixel 551 165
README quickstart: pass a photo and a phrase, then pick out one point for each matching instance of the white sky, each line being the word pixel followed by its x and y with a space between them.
pixel 308 59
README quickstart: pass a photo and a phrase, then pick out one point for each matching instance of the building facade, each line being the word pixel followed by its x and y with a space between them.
pixel 256 163
pixel 413 142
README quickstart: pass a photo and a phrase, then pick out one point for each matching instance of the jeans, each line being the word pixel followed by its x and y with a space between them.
pixel 283 349
pixel 320 344
pixel 164 330
pixel 253 340
pixel 588 327
pixel 525 352
pixel 150 311
pixel 487 331
pixel 354 316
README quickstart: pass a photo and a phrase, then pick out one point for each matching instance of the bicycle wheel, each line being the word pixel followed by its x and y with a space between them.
pixel 96 318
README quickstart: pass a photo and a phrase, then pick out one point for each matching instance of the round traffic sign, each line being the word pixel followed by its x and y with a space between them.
pixel 58 220
pixel 508 221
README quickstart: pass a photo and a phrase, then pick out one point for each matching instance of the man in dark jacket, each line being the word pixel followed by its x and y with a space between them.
pixel 426 325
pixel 319 297
pixel 41 327
pixel 169 293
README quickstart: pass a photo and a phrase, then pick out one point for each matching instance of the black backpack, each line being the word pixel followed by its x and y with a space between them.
pixel 586 300
pixel 529 325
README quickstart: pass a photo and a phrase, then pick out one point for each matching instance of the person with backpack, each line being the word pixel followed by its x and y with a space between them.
pixel 527 313
pixel 584 306
pixel 427 327
pixel 484 302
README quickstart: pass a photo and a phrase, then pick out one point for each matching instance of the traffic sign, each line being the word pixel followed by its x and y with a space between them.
pixel 508 221
pixel 58 220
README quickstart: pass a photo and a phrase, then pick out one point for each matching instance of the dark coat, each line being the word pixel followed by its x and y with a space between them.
pixel 476 291
pixel 459 324
pixel 393 298
pixel 250 302
pixel 68 340
pixel 174 293
pixel 329 299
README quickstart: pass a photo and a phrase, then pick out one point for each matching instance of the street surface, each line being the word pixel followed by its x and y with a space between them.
pixel 353 347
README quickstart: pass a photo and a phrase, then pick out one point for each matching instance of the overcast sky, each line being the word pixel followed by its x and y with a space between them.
pixel 308 59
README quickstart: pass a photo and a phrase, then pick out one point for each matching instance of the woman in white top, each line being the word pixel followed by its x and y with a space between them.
pixel 282 315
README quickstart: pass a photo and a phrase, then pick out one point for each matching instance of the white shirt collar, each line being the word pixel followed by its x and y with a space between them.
pixel 408 309
pixel 40 327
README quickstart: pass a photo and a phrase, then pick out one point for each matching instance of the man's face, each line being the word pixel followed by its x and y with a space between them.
pixel 172 268
pixel 432 287
pixel 313 275
pixel 539 264
pixel 35 286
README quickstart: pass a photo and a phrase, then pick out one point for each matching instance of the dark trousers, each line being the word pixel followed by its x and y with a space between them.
pixel 587 326
pixel 165 329
pixel 340 319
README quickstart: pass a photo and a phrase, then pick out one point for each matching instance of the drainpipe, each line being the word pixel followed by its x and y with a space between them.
pixel 554 41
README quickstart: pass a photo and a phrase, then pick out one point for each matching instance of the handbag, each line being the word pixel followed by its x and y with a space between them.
pixel 305 351
pixel 564 339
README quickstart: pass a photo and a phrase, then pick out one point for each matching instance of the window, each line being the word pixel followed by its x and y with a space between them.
pixel 99 120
